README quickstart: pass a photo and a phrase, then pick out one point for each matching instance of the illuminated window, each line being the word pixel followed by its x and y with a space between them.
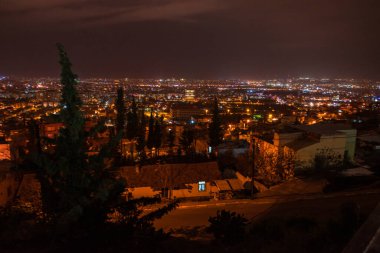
pixel 202 186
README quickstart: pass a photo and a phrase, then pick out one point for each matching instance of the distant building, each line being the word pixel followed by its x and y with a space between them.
pixel 184 112
pixel 189 95
pixel 50 130
pixel 336 141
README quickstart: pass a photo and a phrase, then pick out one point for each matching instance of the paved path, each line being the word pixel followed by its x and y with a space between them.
pixel 195 214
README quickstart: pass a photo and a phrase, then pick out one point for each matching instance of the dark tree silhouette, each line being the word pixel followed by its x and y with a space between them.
pixel 158 134
pixel 215 128
pixel 120 117
pixel 186 140
pixel 141 143
pixel 170 140
pixel 132 124
pixel 120 109
pixel 228 227
pixel 83 202
pixel 75 186
pixel 150 141
pixel 34 144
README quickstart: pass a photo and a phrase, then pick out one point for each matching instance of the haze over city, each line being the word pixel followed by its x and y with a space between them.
pixel 194 39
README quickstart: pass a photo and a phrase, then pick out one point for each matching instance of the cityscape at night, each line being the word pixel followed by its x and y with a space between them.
pixel 189 126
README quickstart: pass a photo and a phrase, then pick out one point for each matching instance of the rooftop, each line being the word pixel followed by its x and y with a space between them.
pixel 173 175
pixel 324 128
pixel 301 143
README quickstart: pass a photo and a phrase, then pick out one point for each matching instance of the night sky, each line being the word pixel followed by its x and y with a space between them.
pixel 208 39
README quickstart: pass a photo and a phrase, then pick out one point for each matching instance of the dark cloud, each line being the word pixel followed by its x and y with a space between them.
pixel 192 38
pixel 107 12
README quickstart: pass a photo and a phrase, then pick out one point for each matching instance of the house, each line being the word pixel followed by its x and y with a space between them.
pixel 330 133
pixel 170 180
pixel 336 141
pixel 190 180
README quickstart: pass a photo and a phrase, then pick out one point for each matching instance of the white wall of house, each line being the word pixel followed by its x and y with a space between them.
pixel 336 144
pixel 350 143
pixel 192 192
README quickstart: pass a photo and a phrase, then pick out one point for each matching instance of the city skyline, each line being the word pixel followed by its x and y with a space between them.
pixel 212 39
pixel 168 126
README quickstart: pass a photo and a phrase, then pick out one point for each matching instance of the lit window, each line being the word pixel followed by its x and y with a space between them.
pixel 202 186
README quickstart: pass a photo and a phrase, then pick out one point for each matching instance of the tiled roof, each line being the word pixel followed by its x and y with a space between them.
pixel 170 175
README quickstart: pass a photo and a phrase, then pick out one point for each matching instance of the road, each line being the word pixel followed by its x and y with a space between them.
pixel 195 214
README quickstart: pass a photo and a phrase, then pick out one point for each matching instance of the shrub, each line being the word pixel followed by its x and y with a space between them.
pixel 228 227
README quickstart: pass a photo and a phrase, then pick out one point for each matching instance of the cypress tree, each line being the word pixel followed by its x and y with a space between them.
pixel 134 116
pixel 132 121
pixel 75 187
pixel 120 110
pixel 132 124
pixel 120 120
pixel 141 136
pixel 187 138
pixel 158 134
pixel 79 191
pixel 170 140
pixel 150 142
pixel 215 128
pixel 70 150
pixel 34 144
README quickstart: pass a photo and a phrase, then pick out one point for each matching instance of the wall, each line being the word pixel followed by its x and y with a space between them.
pixel 9 183
pixel 350 143
pixel 281 139
pixel 192 191
pixel 334 143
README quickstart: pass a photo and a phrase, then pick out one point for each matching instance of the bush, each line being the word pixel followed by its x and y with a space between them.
pixel 228 227
pixel 269 229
